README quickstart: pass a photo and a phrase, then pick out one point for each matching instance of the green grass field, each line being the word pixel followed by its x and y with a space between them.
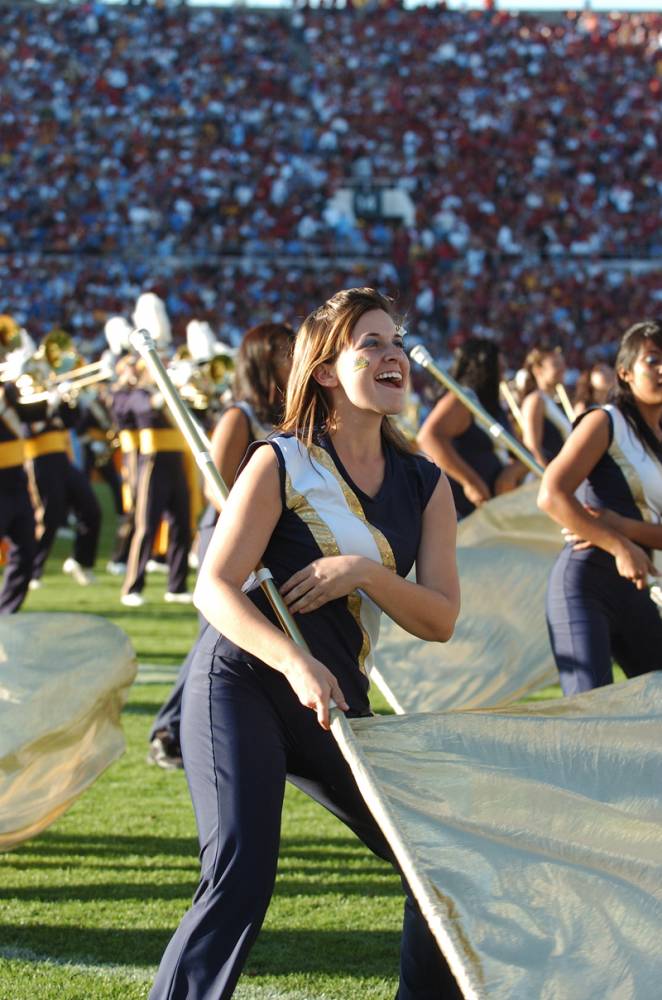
pixel 88 906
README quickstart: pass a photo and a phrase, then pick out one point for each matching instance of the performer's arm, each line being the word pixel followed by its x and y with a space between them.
pixel 510 477
pixel 228 446
pixel 448 420
pixel 579 455
pixel 642 532
pixel 241 535
pixel 427 608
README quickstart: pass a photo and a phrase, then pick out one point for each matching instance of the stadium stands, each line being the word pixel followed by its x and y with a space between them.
pixel 197 151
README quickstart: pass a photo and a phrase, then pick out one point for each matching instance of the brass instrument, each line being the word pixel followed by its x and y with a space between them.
pixel 56 364
pixel 201 383
pixel 10 334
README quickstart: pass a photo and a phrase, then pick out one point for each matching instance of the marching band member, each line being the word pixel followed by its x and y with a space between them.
pixel 476 467
pixel 546 426
pixel 17 522
pixel 162 490
pixel 261 370
pixel 340 508
pixel 598 604
pixel 61 485
pixel 162 484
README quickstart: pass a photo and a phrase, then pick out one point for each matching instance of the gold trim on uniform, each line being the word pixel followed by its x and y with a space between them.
pixel 385 550
pixel 328 546
pixel 154 439
pixel 11 453
pixel 46 444
pixel 129 441
pixel 633 480
pixel 140 527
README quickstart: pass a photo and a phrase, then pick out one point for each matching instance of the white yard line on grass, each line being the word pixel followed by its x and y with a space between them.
pixel 156 673
pixel 145 974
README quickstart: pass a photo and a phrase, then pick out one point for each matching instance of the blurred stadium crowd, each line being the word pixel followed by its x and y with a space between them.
pixel 196 153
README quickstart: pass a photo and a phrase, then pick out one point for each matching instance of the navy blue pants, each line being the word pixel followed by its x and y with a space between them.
pixel 16 524
pixel 162 490
pixel 62 487
pixel 595 616
pixel 169 716
pixel 243 733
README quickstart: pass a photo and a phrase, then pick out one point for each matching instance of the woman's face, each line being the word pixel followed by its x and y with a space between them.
pixel 373 370
pixel 551 370
pixel 645 377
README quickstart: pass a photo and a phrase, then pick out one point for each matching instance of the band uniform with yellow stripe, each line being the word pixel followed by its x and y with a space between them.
pixel 162 492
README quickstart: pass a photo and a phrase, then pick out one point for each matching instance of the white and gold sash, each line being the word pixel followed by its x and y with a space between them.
pixel 316 491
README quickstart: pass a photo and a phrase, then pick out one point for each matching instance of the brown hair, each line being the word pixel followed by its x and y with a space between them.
pixel 321 337
pixel 256 370
pixel 534 358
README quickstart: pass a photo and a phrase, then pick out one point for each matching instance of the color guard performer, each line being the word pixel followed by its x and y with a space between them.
pixel 477 468
pixel 546 426
pixel 340 509
pixel 261 370
pixel 598 603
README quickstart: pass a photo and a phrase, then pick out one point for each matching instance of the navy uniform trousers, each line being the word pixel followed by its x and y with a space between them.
pixel 162 490
pixel 16 524
pixel 63 487
pixel 594 616
pixel 169 717
pixel 108 472
pixel 243 732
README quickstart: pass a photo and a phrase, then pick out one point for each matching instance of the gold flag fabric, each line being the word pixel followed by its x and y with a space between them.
pixel 500 650
pixel 63 681
pixel 531 836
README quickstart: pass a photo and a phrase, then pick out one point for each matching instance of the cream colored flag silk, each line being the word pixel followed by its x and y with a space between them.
pixel 63 681
pixel 531 836
pixel 500 649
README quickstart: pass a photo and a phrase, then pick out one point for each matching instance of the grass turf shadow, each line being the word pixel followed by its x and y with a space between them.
pixel 276 952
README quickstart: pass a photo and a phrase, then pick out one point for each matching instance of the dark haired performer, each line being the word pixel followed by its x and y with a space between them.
pixel 262 366
pixel 477 468
pixel 340 509
pixel 598 603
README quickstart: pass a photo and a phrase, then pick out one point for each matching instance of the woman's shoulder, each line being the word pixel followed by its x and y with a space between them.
pixel 419 469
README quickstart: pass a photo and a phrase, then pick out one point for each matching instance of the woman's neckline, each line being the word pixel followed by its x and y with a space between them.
pixel 348 479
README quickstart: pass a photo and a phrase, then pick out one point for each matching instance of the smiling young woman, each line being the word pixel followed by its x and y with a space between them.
pixel 339 509
pixel 598 604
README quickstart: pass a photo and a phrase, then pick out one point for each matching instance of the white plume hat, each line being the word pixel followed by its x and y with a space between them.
pixel 150 314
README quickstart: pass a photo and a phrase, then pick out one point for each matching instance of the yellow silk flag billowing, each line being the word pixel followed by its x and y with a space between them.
pixel 63 681
pixel 531 836
pixel 500 649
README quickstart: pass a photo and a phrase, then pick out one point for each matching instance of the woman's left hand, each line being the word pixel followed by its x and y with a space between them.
pixel 321 581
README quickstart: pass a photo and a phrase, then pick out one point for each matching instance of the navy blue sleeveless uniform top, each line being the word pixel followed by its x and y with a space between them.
pixel 481 452
pixel 256 432
pixel 552 440
pixel 614 482
pixel 324 514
